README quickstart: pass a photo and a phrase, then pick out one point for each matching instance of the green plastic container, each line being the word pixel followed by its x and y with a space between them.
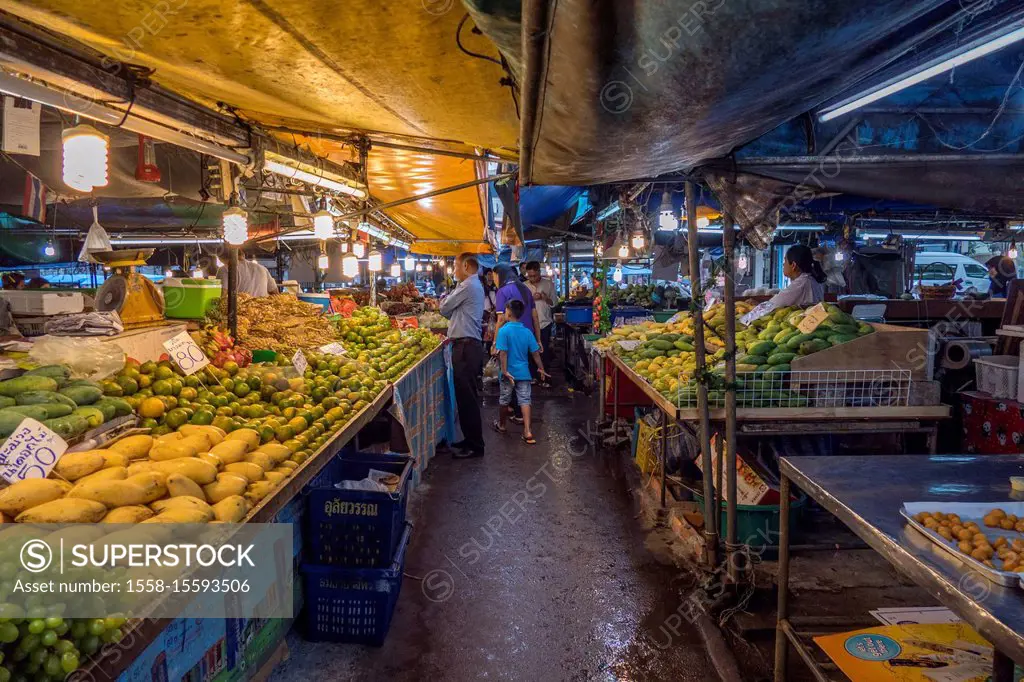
pixel 664 315
pixel 757 525
pixel 189 299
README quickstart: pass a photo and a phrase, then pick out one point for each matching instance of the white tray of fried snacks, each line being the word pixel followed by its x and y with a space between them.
pixel 987 537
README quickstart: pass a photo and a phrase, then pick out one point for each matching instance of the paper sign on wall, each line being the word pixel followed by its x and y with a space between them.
pixel 299 362
pixel 184 352
pixel 813 318
pixel 757 313
pixel 30 452
pixel 334 348
pixel 21 119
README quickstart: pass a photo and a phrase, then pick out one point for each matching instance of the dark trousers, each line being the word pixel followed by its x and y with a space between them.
pixel 467 361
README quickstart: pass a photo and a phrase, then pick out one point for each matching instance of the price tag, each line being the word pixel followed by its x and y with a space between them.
pixel 333 349
pixel 629 345
pixel 757 313
pixel 299 362
pixel 30 452
pixel 812 318
pixel 184 352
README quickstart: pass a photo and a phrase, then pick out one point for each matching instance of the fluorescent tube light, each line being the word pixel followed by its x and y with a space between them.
pixel 924 237
pixel 966 53
pixel 290 168
pixel 609 210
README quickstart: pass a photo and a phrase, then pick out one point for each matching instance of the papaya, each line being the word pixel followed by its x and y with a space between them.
pixel 93 415
pixel 751 360
pixel 761 348
pixel 12 387
pixel 82 395
pixel 59 373
pixel 837 339
pixel 795 341
pixel 781 358
pixel 684 346
pixel 659 344
pixel 813 346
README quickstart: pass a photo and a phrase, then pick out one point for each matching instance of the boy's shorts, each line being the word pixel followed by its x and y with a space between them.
pixel 522 389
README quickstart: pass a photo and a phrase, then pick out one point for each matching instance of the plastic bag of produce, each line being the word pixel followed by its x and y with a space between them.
pixel 87 357
pixel 492 369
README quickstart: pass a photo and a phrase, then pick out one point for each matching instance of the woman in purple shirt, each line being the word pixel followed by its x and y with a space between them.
pixel 510 288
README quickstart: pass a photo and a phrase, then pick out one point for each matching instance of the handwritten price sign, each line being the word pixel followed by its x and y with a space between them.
pixel 30 452
pixel 184 352
pixel 334 348
pixel 299 362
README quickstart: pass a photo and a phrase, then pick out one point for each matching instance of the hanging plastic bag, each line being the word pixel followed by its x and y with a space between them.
pixel 88 358
pixel 96 240
pixel 492 369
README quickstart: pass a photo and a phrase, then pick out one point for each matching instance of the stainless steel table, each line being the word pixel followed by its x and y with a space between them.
pixel 866 493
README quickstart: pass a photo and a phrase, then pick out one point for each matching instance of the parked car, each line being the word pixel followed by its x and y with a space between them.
pixel 967 270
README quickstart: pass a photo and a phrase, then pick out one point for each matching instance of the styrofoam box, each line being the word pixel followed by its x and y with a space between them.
pixel 44 302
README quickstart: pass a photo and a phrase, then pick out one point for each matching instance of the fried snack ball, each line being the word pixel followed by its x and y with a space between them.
pixel 955 518
pixel 981 554
pixel 945 532
pixel 964 534
pixel 979 539
pixel 1006 524
pixel 966 547
pixel 1019 526
pixel 1017 544
pixel 999 542
pixel 921 516
pixel 998 512
pixel 1012 517
pixel 930 522
pixel 1010 565
pixel 991 521
pixel 972 526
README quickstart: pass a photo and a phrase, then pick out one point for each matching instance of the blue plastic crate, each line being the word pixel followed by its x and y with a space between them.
pixel 625 315
pixel 353 604
pixel 579 314
pixel 356 528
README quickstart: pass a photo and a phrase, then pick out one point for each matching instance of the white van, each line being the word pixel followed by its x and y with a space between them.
pixel 955 266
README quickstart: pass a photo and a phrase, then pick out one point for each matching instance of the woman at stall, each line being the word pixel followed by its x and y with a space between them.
pixel 1001 270
pixel 807 279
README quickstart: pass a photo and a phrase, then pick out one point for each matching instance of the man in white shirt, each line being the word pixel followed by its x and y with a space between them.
pixel 544 298
pixel 252 279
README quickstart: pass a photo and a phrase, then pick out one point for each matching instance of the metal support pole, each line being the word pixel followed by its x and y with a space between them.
pixel 233 291
pixel 697 306
pixel 782 614
pixel 565 273
pixel 664 455
pixel 615 405
pixel 729 245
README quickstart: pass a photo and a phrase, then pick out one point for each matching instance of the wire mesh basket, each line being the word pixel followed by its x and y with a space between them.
pixel 937 292
pixel 820 388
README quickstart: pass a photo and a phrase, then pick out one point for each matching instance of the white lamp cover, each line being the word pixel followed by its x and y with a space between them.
pixel 638 241
pixel 624 251
pixel 344 247
pixel 419 268
pixel 323 225
pixel 359 249
pixel 85 158
pixel 350 265
pixel 375 261
pixel 617 274
pixel 396 269
pixel 236 226
pixel 323 262
pixel 410 263
pixel 703 222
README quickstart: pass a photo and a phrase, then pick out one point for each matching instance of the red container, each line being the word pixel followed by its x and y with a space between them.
pixel 630 395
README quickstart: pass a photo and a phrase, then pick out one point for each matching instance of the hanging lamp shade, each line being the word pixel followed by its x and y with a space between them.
pixel 236 226
pixel 323 262
pixel 323 225
pixel 410 263
pixel 396 269
pixel 350 265
pixel 86 151
pixel 375 261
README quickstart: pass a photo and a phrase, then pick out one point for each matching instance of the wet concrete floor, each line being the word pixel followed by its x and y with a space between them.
pixel 526 564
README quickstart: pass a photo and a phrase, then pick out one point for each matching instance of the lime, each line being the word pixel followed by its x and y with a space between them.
pixel 176 418
pixel 202 418
pixel 128 385
pixel 164 371
pixel 283 433
pixel 162 387
pixel 188 393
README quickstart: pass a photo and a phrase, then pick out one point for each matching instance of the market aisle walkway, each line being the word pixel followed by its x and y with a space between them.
pixel 534 569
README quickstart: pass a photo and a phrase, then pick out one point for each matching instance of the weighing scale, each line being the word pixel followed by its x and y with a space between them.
pixel 126 292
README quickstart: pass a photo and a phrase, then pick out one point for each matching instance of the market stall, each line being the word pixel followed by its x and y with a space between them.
pixel 881 509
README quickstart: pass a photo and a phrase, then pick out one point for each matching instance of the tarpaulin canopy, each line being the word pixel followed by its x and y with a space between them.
pixel 391 70
pixel 614 90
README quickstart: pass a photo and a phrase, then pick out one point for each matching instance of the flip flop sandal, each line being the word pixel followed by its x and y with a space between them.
pixel 529 440
pixel 496 425
pixel 517 420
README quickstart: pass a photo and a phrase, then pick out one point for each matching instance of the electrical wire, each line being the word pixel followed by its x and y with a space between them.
pixel 458 41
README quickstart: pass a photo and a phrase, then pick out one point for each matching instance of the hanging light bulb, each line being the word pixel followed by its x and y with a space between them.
pixel 350 265
pixel 396 269
pixel 85 158
pixel 742 262
pixel 219 262
pixel 548 271
pixel 703 222
pixel 839 255
pixel 1012 253
pixel 624 250
pixel 419 267
pixel 49 250
pixel 666 215
pixel 359 249
pixel 617 274
pixel 638 240
pixel 323 225
pixel 323 262
pixel 599 249
pixel 236 226
pixel 410 263
pixel 451 270
pixel 197 274
pixel 375 261
pixel 344 247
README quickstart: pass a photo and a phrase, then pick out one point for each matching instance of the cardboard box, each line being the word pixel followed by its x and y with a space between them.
pixel 750 487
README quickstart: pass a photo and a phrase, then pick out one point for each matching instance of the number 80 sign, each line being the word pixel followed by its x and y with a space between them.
pixel 184 352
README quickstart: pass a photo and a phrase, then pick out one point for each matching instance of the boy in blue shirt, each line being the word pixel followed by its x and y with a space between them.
pixel 515 344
